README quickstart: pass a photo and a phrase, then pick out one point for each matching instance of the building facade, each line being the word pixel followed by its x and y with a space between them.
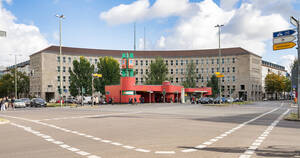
pixel 241 68
pixel 267 68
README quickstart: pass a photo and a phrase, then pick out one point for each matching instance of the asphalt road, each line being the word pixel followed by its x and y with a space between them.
pixel 147 131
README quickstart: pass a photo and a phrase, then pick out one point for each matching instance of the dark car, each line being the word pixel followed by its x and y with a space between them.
pixel 26 101
pixel 38 102
pixel 217 100
pixel 204 100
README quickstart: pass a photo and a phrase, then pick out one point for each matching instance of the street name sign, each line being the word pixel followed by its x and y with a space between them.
pixel 2 34
pixel 283 39
pixel 283 33
pixel 294 21
pixel 284 45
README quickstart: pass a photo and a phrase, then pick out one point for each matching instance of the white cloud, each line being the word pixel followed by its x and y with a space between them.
pixel 141 10
pixel 287 60
pixel 228 4
pixel 21 38
pixel 161 42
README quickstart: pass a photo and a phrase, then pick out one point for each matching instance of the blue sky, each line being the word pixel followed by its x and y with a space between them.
pixel 176 24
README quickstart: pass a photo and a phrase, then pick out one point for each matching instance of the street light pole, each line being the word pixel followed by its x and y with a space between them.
pixel 219 27
pixel 60 55
pixel 16 81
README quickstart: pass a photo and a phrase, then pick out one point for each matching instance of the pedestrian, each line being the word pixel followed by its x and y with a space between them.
pixel 2 104
pixel 134 100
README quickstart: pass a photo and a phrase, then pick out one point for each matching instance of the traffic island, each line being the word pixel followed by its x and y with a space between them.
pixel 3 121
pixel 292 117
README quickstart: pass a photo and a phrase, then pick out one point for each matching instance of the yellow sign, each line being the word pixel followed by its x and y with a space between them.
pixel 97 75
pixel 221 75
pixel 284 45
pixel 217 73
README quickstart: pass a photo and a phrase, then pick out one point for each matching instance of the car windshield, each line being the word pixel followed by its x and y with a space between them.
pixel 39 100
pixel 18 100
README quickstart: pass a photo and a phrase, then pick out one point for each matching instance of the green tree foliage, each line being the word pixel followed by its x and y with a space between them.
pixel 275 83
pixel 190 76
pixel 110 70
pixel 158 72
pixel 7 84
pixel 81 77
pixel 214 84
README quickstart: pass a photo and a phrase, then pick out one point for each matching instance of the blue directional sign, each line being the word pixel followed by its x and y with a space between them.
pixel 283 33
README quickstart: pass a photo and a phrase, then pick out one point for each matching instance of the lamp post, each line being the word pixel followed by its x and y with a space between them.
pixel 16 81
pixel 219 27
pixel 60 56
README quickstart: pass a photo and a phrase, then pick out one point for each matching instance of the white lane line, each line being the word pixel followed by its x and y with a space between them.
pixel 105 141
pixel 251 150
pixel 95 138
pixel 213 140
pixel 142 150
pixel 59 143
pixel 116 143
pixel 128 147
pixel 83 153
pixel 164 152
pixel 89 116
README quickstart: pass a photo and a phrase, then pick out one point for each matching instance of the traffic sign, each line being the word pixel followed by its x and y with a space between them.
pixel 283 33
pixel 217 73
pixel 283 39
pixel 220 76
pixel 97 75
pixel 284 46
pixel 65 90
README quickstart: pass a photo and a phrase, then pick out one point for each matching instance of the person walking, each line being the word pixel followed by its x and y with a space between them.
pixel 2 104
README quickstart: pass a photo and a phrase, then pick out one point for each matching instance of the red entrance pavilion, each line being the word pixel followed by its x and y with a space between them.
pixel 127 89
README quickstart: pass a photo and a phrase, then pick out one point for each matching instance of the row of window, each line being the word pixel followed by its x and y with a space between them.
pixel 227 78
pixel 202 61
pixel 64 69
pixel 70 60
pixel 197 70
pixel 64 78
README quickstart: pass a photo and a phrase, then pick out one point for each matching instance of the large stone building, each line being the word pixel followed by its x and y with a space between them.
pixel 242 69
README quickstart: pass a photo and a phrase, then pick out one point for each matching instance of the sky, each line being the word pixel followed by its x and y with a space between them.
pixel 31 25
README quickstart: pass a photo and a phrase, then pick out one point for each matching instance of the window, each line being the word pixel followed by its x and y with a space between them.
pixel 58 58
pixel 228 69
pixel 228 88
pixel 228 60
pixel 222 60
pixel 197 62
pixel 223 79
pixel 233 88
pixel 167 63
pixel 176 79
pixel 64 69
pixel 222 69
pixel 136 80
pixel 146 71
pixel 171 80
pixel 58 68
pixel 151 61
pixel 64 78
pixel 136 62
pixel 181 62
pixel 176 62
pixel 70 69
pixel 212 61
pixel 222 88
pixel 96 60
pixel 228 79
pixel 197 70
pixel 233 78
pixel 141 62
pixel 233 69
pixel 176 71
pixel 202 70
pixel 233 60
pixel 171 71
pixel 218 61
pixel 136 71
pixel 64 59
pixel 58 78
pixel 64 87
pixel 142 80
pixel 182 71
pixel 69 59
pixel 212 70
pixel 69 78
pixel 141 71
pixel 206 61
pixel 242 87
pixel 171 62
pixel 202 61
pixel 146 62
pixel 218 70
pixel 202 79
pixel 186 62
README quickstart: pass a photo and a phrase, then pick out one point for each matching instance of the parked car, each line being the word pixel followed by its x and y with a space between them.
pixel 204 100
pixel 229 100
pixel 71 100
pixel 18 103
pixel 38 102
pixel 87 100
pixel 26 101
pixel 217 100
pixel 238 100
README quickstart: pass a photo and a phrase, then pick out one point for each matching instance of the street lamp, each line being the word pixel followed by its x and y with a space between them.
pixel 219 27
pixel 60 54
pixel 16 69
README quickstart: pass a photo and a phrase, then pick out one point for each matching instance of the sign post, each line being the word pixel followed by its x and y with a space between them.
pixel 2 33
pixel 295 22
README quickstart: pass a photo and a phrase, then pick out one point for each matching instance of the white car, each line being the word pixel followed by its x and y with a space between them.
pixel 19 103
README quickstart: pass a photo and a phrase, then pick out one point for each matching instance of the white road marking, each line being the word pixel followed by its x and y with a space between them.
pixel 116 143
pixel 105 141
pixel 128 147
pixel 251 150
pixel 59 143
pixel 95 138
pixel 213 140
pixel 83 153
pixel 142 150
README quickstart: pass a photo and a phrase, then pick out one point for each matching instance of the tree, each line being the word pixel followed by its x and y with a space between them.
pixel 190 76
pixel 275 83
pixel 214 84
pixel 158 72
pixel 110 70
pixel 81 77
